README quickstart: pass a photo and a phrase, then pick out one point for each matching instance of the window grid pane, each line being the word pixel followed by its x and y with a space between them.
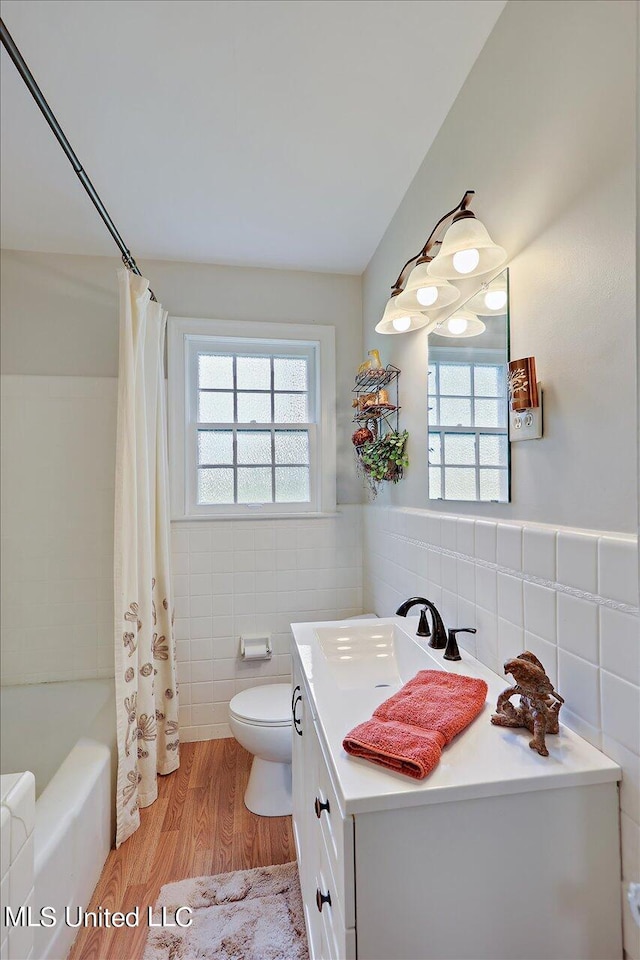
pixel 215 407
pixel 455 379
pixel 253 466
pixel 488 380
pixel 215 370
pixel 455 412
pixel 474 463
pixel 266 465
pixel 460 483
pixel 435 483
pixel 290 374
pixel 215 447
pixel 290 408
pixel 291 447
pixel 460 448
pixel 493 484
pixel 254 448
pixel 216 486
pixel 254 373
pixel 292 484
pixel 255 485
pixel 254 408
pixel 435 447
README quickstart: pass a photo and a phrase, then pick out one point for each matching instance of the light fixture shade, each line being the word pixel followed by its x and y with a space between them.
pixel 466 234
pixel 492 300
pixel 461 323
pixel 440 294
pixel 397 319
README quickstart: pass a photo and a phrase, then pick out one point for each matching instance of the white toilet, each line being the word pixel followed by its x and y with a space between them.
pixel 260 720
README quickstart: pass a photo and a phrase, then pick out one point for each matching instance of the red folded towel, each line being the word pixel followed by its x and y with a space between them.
pixel 408 731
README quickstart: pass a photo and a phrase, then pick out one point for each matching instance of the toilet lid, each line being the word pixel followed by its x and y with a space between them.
pixel 269 704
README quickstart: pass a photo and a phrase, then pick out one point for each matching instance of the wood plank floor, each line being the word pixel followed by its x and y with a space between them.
pixel 198 826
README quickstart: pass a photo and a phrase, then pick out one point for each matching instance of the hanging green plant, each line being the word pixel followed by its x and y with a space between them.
pixel 384 458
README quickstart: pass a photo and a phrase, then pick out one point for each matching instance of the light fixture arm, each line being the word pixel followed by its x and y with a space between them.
pixel 431 241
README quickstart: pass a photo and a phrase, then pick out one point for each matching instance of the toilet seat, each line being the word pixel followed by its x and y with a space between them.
pixel 265 706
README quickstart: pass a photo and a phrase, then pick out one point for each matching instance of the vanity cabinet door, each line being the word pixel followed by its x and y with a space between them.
pixel 321 841
pixel 304 829
pixel 337 836
pixel 298 712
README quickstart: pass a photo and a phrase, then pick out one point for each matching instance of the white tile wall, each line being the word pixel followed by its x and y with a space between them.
pixel 253 577
pixel 57 440
pixel 568 596
pixel 18 812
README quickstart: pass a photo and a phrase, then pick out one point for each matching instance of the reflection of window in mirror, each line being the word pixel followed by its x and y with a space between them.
pixel 468 433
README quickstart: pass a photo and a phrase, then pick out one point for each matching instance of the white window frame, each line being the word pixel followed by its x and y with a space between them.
pixel 473 357
pixel 185 336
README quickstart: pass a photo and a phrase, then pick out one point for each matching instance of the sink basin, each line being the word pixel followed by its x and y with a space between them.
pixel 368 654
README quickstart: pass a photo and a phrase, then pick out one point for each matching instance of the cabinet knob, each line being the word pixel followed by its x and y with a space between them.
pixel 322 898
pixel 319 806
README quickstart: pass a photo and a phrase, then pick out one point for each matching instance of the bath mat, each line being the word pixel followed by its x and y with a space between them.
pixel 245 915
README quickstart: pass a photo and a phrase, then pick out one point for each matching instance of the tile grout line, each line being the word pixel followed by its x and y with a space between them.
pixel 521 575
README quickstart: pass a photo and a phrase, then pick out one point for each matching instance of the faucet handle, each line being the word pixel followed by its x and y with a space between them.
pixel 423 625
pixel 452 652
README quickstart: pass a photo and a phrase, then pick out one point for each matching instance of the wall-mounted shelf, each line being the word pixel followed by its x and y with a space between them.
pixel 371 380
pixel 373 413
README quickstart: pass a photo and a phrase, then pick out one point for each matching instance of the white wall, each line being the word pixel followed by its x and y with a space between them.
pixel 242 577
pixel 59 322
pixel 59 317
pixel 544 131
pixel 57 453
pixel 568 596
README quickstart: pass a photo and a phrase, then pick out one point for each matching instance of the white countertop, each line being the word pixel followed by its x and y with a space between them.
pixel 482 761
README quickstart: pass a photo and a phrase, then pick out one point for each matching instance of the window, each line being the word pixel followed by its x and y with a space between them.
pixel 252 418
pixel 468 442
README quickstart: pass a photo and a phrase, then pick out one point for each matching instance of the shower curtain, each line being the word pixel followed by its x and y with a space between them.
pixel 146 689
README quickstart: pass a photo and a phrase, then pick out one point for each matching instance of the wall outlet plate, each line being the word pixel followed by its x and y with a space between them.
pixel 526 424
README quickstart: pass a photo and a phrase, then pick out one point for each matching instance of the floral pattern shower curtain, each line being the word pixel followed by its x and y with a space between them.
pixel 146 689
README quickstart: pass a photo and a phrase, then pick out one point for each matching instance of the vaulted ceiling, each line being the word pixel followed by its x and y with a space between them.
pixel 278 133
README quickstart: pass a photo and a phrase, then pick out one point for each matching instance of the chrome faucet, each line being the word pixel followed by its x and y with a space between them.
pixel 438 634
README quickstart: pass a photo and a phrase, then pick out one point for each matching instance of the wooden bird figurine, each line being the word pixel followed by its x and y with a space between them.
pixel 539 702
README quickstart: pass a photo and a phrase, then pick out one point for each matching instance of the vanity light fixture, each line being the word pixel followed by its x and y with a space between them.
pixel 465 250
pixel 422 292
pixel 399 319
pixel 491 301
pixel 462 323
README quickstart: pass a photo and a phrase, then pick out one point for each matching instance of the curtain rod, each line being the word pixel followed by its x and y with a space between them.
pixel 35 91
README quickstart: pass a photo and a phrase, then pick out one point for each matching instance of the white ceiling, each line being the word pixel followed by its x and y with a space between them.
pixel 277 133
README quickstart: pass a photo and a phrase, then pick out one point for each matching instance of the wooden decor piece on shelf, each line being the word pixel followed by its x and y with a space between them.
pixel 539 702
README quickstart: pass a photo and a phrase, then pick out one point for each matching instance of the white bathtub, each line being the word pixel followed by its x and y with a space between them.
pixel 64 733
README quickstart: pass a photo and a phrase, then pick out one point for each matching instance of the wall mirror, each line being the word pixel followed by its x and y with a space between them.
pixel 469 457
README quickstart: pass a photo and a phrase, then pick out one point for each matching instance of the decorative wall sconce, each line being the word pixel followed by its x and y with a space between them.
pixel 525 400
pixel 458 248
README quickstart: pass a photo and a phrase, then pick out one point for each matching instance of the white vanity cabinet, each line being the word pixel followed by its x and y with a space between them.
pixel 469 864
pixel 323 837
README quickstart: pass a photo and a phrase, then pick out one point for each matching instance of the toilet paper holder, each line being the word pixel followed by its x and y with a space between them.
pixel 255 648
